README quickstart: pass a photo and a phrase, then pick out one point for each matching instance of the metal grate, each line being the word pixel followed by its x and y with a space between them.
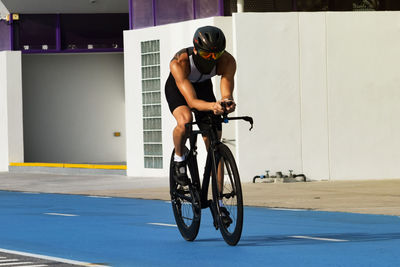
pixel 366 5
pixel 151 104
pixel 259 6
pixel 256 5
pixel 312 5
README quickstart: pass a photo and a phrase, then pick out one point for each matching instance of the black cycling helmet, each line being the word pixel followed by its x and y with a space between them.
pixel 209 39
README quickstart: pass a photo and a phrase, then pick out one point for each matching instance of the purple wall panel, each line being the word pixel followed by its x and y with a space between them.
pixel 5 42
pixel 148 13
pixel 173 11
pixel 98 30
pixel 69 32
pixel 36 31
pixel 142 13
pixel 206 8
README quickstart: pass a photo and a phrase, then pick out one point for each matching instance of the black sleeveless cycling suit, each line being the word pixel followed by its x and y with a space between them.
pixel 201 82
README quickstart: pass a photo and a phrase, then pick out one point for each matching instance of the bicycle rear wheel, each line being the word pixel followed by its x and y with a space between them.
pixel 185 203
pixel 228 194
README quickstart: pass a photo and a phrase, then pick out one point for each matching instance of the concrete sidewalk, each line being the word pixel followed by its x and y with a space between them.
pixel 371 196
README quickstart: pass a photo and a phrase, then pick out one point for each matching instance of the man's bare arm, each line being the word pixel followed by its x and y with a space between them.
pixel 178 54
pixel 179 72
pixel 228 81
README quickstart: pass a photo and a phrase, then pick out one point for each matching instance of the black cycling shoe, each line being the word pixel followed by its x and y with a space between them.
pixel 180 173
pixel 226 220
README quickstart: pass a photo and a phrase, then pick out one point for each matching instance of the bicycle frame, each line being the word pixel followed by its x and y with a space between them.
pixel 202 188
pixel 226 204
pixel 212 134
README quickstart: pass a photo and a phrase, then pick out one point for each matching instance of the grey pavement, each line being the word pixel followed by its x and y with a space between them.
pixel 365 196
pixel 75 183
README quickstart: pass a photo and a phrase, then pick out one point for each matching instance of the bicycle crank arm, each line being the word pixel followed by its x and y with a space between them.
pixel 182 196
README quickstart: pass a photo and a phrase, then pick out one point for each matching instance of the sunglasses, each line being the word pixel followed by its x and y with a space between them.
pixel 209 55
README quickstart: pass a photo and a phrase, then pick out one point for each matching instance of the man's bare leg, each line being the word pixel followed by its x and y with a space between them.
pixel 182 116
pixel 220 172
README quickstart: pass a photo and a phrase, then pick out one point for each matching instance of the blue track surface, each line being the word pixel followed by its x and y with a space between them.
pixel 116 231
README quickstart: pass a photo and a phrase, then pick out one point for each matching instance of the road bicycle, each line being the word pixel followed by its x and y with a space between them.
pixel 188 200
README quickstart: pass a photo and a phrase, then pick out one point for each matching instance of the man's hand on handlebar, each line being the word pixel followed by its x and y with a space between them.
pixel 229 105
pixel 224 106
pixel 218 109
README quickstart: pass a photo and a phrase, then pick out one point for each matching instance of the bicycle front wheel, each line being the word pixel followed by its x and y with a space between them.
pixel 185 202
pixel 227 195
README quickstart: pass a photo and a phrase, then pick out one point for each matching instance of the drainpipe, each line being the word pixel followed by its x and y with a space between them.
pixel 240 6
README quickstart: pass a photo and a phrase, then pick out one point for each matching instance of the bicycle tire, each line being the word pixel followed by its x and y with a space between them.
pixel 231 196
pixel 185 202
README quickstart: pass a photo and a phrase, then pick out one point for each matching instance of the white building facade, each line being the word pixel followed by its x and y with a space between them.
pixel 322 87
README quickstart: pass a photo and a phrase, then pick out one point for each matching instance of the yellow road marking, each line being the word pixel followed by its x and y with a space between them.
pixel 68 165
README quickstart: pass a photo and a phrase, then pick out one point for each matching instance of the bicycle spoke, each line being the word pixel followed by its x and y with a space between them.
pixel 230 175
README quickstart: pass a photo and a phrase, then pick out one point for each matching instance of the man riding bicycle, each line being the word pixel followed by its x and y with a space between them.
pixel 189 86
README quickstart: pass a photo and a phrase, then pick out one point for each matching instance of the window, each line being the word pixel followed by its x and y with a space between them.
pixel 151 104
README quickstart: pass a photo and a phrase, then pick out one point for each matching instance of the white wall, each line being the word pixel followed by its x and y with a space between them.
pixel 313 93
pixel 173 37
pixel 3 113
pixel 267 53
pixel 329 85
pixel 364 94
pixel 11 128
pixel 322 87
pixel 73 103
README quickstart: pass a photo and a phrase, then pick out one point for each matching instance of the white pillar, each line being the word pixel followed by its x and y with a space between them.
pixel 3 11
pixel 11 118
pixel 240 6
